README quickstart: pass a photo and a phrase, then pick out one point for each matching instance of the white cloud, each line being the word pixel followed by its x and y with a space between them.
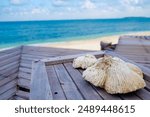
pixel 132 2
pixel 16 2
pixel 72 9
pixel 88 4
pixel 59 2
pixel 69 9
pixel 36 11
pixel 132 5
pixel 40 11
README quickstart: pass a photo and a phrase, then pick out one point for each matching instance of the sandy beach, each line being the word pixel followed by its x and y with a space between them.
pixel 89 44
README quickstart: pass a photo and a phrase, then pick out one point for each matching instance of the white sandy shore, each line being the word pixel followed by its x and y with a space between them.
pixel 91 44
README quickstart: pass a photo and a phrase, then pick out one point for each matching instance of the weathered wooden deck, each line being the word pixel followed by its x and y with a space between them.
pixel 67 83
pixel 53 76
pixel 16 67
pixel 136 48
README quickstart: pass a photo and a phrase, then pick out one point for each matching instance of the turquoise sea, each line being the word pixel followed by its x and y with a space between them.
pixel 29 32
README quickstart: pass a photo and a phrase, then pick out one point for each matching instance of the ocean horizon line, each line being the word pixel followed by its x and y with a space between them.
pixel 119 18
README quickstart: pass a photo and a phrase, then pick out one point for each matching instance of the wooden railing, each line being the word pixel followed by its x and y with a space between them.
pixel 63 59
pixel 9 66
pixel 40 88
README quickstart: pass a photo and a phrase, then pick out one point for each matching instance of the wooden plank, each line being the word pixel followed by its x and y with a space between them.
pixel 69 58
pixel 139 46
pixel 133 47
pixel 22 94
pixel 138 59
pixel 9 71
pixel 9 68
pixel 8 86
pixel 53 53
pixel 70 89
pixel 107 96
pixel 29 49
pixel 129 96
pixel 147 85
pixel 124 47
pixel 141 62
pixel 8 94
pixel 9 60
pixel 128 49
pixel 26 70
pixel 136 54
pixel 130 53
pixel 40 88
pixel 9 65
pixel 132 42
pixel 50 50
pixel 19 98
pixel 31 57
pixel 9 50
pixel 85 88
pixel 146 77
pixel 146 49
pixel 145 55
pixel 25 65
pixel 141 59
pixel 55 85
pixel 8 79
pixel 26 61
pixel 148 65
pixel 11 98
pixel 147 37
pixel 43 54
pixel 39 49
pixel 143 94
pixel 24 75
pixel 7 56
pixel 24 83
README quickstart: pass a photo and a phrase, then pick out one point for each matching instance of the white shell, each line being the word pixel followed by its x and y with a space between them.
pixel 122 79
pixel 95 76
pixel 136 69
pixel 115 75
pixel 84 61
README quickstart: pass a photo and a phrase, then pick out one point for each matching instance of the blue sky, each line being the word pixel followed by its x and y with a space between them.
pixel 71 9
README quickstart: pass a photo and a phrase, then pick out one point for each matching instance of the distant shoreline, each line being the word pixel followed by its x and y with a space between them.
pixel 140 17
pixel 85 44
